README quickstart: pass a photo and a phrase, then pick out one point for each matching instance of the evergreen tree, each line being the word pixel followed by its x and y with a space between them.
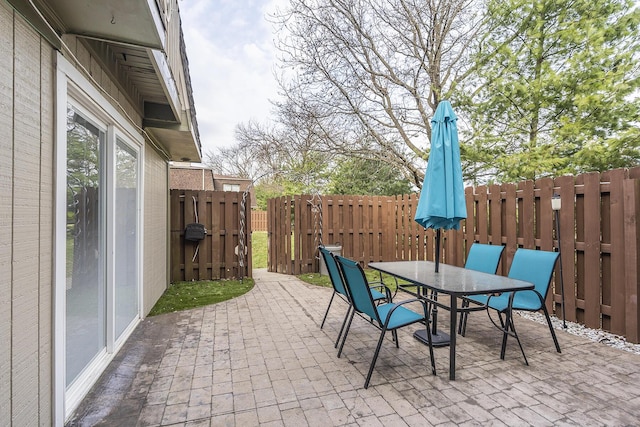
pixel 560 96
pixel 367 177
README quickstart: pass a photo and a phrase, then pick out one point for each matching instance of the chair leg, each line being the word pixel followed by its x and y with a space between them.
pixel 553 332
pixel 462 326
pixel 505 333
pixel 510 326
pixel 513 327
pixel 431 356
pixel 328 307
pixel 375 357
pixel 502 324
pixel 344 322
pixel 346 332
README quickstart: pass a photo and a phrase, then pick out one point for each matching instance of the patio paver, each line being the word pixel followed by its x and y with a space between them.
pixel 262 359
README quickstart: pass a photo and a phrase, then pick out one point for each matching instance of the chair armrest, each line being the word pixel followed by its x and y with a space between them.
pixel 511 300
pixel 408 301
pixel 504 328
pixel 380 283
pixel 380 286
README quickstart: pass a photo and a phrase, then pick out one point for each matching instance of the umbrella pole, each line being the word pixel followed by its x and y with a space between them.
pixel 434 295
pixel 438 231
pixel 438 339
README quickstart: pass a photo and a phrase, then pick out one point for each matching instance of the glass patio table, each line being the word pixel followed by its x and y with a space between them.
pixel 453 281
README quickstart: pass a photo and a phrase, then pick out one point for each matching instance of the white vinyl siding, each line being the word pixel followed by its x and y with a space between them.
pixel 156 231
pixel 26 207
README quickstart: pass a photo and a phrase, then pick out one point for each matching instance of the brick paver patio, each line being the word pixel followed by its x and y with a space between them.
pixel 262 359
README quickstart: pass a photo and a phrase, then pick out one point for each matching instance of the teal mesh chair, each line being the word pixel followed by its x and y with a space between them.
pixel 532 266
pixel 481 257
pixel 386 317
pixel 339 289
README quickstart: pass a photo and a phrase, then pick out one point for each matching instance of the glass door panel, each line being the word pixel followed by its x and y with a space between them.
pixel 85 287
pixel 126 237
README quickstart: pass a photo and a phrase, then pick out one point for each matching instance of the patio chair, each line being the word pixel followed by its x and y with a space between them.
pixel 386 317
pixel 339 289
pixel 485 258
pixel 532 266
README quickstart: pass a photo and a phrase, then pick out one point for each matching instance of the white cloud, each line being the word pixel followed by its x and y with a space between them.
pixel 253 52
pixel 231 59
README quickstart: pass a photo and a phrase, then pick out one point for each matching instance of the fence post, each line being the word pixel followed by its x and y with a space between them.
pixel 525 222
pixel 592 250
pixel 613 260
pixel 632 244
pixel 176 214
pixel 482 222
pixel 495 209
pixel 565 186
pixel 510 221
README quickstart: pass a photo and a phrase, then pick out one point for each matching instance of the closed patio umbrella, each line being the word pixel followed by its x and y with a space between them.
pixel 442 205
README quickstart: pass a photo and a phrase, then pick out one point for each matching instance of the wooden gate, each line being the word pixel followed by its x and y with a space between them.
pixel 217 256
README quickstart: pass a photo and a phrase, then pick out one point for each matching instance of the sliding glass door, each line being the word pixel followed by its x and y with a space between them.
pixel 98 235
pixel 126 237
pixel 102 299
pixel 85 244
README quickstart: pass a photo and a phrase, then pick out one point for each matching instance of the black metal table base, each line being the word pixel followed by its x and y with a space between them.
pixel 439 339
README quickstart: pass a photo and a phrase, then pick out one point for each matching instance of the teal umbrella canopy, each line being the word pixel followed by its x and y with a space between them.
pixel 442 204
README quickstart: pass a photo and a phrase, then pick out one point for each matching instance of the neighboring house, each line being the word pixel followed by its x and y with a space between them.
pixel 185 176
pixel 233 183
pixel 95 101
pixel 189 177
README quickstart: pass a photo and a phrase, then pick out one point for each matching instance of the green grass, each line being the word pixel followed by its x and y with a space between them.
pixel 372 276
pixel 315 279
pixel 259 249
pixel 186 295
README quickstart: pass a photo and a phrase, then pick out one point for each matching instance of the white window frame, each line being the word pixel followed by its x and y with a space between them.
pixel 117 342
pixel 72 87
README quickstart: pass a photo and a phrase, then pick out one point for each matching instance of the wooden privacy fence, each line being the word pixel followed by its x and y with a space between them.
pixel 599 239
pixel 216 256
pixel 258 220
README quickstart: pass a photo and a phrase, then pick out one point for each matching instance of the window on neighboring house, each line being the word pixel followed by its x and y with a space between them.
pixel 231 187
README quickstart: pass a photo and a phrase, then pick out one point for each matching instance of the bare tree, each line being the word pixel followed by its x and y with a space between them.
pixel 234 161
pixel 293 150
pixel 372 72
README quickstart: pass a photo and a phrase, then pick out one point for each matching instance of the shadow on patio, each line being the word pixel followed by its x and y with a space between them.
pixel 261 359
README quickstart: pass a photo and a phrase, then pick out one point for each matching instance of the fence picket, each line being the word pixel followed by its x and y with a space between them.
pixel 495 209
pixel 259 220
pixel 510 219
pixel 613 291
pixel 525 221
pixel 592 249
pixel 631 191
pixel 566 188
pixel 481 219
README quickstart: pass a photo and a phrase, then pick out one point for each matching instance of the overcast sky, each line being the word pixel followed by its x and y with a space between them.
pixel 231 62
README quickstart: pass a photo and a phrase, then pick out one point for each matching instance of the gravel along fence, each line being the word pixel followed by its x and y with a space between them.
pixel 596 335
